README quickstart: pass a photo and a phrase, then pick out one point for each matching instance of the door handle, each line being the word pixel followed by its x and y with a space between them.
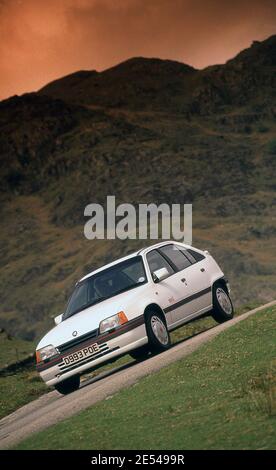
pixel 202 270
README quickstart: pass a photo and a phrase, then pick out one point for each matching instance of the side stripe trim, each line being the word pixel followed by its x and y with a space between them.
pixel 186 300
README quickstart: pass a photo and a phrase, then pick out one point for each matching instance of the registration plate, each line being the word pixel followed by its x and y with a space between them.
pixel 81 354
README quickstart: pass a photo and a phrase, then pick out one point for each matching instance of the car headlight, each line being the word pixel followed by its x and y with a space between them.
pixel 45 353
pixel 113 322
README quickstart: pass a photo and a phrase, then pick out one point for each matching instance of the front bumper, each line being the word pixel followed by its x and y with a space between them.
pixel 129 336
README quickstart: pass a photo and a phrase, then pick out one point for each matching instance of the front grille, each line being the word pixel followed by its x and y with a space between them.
pixel 74 342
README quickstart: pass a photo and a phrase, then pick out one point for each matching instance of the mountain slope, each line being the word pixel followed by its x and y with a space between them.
pixel 141 83
pixel 132 84
pixel 155 131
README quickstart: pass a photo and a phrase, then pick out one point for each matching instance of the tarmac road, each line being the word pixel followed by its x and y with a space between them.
pixel 53 407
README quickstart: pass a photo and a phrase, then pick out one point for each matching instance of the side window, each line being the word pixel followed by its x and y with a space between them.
pixel 193 256
pixel 197 256
pixel 175 256
pixel 190 257
pixel 156 261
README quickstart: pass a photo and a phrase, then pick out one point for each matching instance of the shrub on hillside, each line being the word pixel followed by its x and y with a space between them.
pixel 271 146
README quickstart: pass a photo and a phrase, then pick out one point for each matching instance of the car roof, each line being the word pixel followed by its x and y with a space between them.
pixel 142 251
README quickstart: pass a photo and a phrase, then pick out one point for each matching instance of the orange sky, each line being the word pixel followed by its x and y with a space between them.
pixel 45 39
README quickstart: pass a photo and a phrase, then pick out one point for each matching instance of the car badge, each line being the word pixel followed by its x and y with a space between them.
pixel 74 333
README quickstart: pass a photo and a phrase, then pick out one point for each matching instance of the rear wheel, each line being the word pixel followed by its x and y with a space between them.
pixel 158 334
pixel 68 385
pixel 222 305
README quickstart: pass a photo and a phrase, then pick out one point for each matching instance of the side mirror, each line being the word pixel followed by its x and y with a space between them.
pixel 58 319
pixel 160 274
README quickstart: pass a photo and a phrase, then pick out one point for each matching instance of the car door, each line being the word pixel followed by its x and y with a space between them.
pixel 191 280
pixel 167 292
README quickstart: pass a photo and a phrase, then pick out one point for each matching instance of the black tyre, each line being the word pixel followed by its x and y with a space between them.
pixel 158 335
pixel 222 305
pixel 140 354
pixel 68 385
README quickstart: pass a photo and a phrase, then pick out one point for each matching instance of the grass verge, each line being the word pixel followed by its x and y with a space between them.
pixel 19 389
pixel 220 397
pixel 22 384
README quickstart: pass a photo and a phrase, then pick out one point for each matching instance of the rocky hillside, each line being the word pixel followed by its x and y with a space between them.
pixel 146 130
pixel 155 84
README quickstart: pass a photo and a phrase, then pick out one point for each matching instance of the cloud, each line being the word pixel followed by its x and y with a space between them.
pixel 42 40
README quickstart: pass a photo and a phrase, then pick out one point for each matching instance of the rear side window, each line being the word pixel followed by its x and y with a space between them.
pixel 175 256
pixel 193 256
pixel 156 261
pixel 197 256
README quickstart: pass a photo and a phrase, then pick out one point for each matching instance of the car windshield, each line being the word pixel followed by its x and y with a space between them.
pixel 105 284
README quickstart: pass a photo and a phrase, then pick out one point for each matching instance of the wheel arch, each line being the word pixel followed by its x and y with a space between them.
pixel 222 281
pixel 155 307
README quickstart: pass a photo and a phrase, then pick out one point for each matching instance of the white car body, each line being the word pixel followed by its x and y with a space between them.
pixel 183 296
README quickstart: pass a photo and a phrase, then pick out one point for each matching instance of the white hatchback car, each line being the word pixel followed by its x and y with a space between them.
pixel 130 306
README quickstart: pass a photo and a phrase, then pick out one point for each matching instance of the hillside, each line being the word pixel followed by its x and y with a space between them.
pixel 155 84
pixel 133 84
pixel 147 131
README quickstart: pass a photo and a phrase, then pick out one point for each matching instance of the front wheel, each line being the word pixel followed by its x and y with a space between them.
pixel 140 354
pixel 222 305
pixel 158 334
pixel 68 385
